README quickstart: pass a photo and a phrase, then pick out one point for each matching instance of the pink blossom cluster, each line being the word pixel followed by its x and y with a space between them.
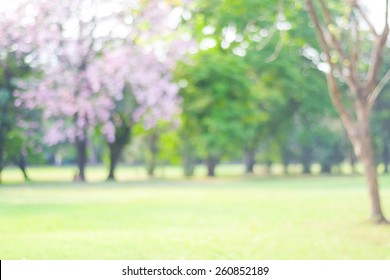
pixel 88 51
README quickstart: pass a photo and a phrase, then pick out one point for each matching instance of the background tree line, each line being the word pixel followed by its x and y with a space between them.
pixel 250 88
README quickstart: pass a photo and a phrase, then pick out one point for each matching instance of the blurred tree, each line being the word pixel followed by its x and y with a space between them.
pixel 143 65
pixel 15 66
pixel 161 144
pixel 275 45
pixel 69 48
pixel 217 104
pixel 96 63
pixel 340 36
pixel 318 141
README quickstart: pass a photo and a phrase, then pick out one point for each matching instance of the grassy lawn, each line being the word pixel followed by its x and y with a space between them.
pixel 225 218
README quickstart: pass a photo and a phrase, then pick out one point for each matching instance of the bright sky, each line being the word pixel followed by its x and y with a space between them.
pixel 375 7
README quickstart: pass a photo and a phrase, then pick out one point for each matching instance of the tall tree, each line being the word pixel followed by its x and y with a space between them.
pixel 15 65
pixel 341 37
pixel 70 42
pixel 147 96
pixel 272 44
pixel 217 104
pixel 98 57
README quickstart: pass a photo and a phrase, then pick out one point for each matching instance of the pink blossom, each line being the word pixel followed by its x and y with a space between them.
pixel 86 67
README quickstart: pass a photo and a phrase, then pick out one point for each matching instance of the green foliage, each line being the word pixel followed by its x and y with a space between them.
pixel 286 86
pixel 14 140
pixel 218 104
pixel 169 147
pixel 4 96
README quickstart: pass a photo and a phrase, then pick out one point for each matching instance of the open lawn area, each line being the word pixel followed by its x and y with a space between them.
pixel 233 217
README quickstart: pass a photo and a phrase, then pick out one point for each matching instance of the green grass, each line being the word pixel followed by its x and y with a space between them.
pixel 225 218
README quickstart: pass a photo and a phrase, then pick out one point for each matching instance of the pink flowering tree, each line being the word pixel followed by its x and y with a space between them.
pixel 143 88
pixel 143 94
pixel 69 43
pixel 106 65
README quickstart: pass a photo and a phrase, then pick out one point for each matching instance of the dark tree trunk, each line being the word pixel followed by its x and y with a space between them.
pixel 326 168
pixel 153 149
pixel 6 110
pixel 306 168
pixel 352 162
pixel 306 160
pixel 211 163
pixel 81 146
pixel 1 165
pixel 249 160
pixel 115 152
pixel 122 137
pixel 285 160
pixel 2 143
pixel 22 164
pixel 285 169
pixel 268 167
pixel 188 165
pixel 386 157
pixel 188 157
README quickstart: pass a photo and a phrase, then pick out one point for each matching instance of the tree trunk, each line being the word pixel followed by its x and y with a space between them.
pixel 188 156
pixel 122 137
pixel 1 172
pixel 81 146
pixel 285 168
pixel 153 149
pixel 306 160
pixel 372 181
pixel 115 152
pixel 211 165
pixel 386 157
pixel 352 162
pixel 326 168
pixel 249 160
pixel 306 168
pixel 188 165
pixel 152 166
pixel 363 147
pixel 268 167
pixel 2 143
pixel 22 164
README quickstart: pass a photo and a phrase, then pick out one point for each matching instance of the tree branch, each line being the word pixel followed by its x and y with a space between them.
pixel 276 52
pixel 318 28
pixel 335 96
pixel 334 90
pixel 387 14
pixel 376 55
pixel 378 89
pixel 337 46
pixel 356 44
pixel 336 43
